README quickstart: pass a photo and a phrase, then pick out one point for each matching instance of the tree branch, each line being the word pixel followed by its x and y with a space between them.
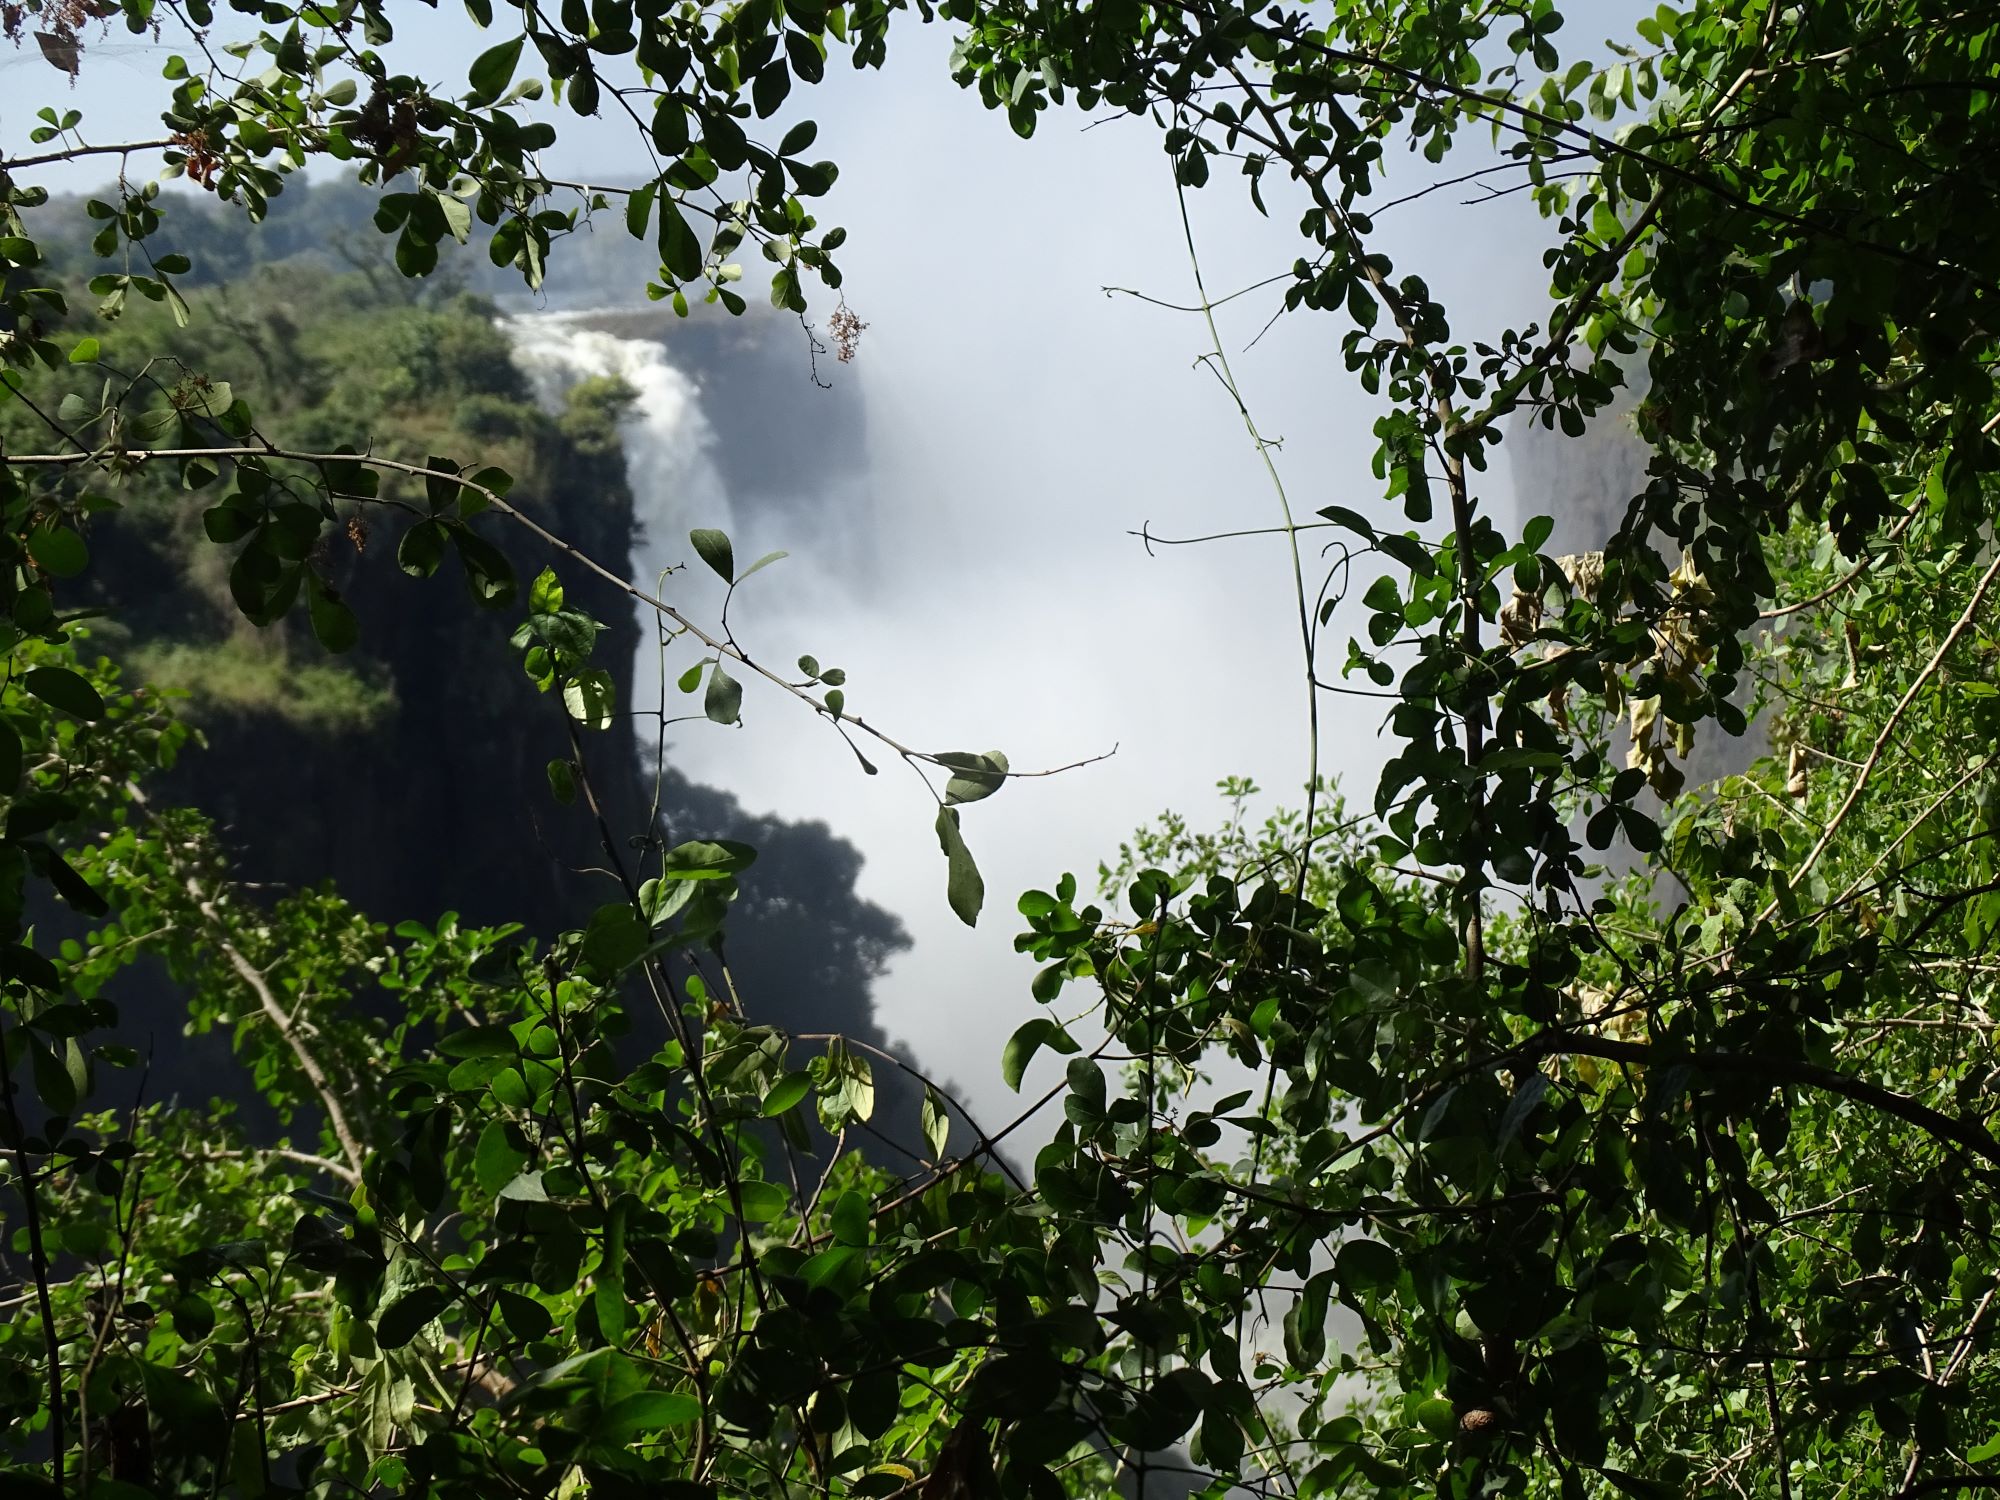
pixel 1973 1137
pixel 1888 730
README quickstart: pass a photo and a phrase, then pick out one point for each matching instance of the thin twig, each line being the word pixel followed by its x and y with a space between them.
pixel 15 164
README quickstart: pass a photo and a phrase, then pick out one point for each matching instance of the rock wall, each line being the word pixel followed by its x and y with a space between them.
pixel 411 772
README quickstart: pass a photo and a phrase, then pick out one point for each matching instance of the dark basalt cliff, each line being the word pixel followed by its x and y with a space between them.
pixel 411 772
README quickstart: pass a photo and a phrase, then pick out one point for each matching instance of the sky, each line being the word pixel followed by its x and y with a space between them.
pixel 1022 425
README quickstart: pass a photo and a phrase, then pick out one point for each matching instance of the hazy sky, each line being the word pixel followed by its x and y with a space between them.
pixel 1021 423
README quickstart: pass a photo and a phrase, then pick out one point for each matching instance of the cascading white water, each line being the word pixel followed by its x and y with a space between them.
pixel 669 459
pixel 668 442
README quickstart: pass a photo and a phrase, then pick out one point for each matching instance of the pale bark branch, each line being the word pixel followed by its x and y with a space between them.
pixel 260 986
pixel 1888 730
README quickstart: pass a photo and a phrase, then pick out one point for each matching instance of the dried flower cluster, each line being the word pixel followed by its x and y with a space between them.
pixel 845 329
pixel 202 163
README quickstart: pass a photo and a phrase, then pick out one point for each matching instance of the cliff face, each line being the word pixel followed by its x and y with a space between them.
pixel 411 772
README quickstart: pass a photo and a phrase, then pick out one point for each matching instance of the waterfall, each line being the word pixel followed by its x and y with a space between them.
pixel 669 446
pixel 669 454
pixel 726 430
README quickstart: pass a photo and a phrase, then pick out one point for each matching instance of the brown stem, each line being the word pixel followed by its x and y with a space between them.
pixel 71 153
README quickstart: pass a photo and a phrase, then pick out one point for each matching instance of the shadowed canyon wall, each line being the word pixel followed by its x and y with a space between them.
pixel 411 772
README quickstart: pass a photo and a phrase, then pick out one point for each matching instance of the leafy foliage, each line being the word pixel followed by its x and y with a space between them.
pixel 1405 1151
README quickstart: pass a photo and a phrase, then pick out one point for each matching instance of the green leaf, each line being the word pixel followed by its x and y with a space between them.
pixel 963 886
pixel 763 1201
pixel 704 859
pixel 527 1188
pixel 1410 552
pixel 639 210
pixel 481 490
pixel 1350 520
pixel 592 698
pixel 61 688
pixel 73 888
pixel 407 1316
pixel 649 1411
pixel 1305 1325
pixel 785 1094
pixel 608 1291
pixel 714 549
pixel 680 250
pixel 194 1317
pixel 767 92
pixel 1987 1450
pixel 526 1318
pixel 851 1219
pixel 1521 1106
pixel 85 1237
pixel 187 1417
pixel 1026 1041
pixel 493 70
pixel 724 702
pixel 480 1041
pixel 936 1123
pixel 421 550
pixel 228 523
pixel 662 898
pixel 61 1075
pixel 510 1091
pixel 57 550
pixel 974 776
pixel 763 562
pixel 847 1087
pixel 1437 1417
pixel 332 621
pixel 211 398
pixel 616 936
pixel 458 219
pixel 495 1160
pixel 488 574
pixel 1365 1265
pixel 562 781
pixel 831 1267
